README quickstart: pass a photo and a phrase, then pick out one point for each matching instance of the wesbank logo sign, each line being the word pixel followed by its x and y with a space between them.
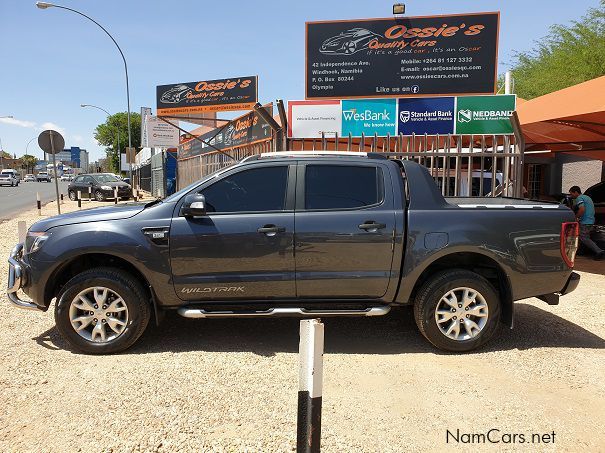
pixel 369 116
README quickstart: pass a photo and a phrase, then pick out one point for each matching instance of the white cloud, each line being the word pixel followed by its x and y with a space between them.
pixel 16 122
pixel 53 126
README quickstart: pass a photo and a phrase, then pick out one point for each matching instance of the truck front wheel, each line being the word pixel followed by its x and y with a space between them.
pixel 457 310
pixel 102 311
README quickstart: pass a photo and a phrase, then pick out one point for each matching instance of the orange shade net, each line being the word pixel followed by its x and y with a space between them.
pixel 571 120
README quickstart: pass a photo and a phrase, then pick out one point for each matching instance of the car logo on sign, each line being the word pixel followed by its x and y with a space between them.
pixel 404 116
pixel 465 116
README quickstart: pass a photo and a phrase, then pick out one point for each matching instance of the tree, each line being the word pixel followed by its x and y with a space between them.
pixel 29 162
pixel 6 155
pixel 568 55
pixel 107 135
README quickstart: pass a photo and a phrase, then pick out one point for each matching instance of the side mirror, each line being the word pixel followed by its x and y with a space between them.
pixel 194 206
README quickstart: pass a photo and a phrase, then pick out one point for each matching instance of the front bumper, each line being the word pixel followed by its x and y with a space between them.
pixel 17 279
pixel 122 193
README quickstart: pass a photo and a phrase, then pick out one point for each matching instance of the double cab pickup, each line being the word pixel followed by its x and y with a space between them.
pixel 297 234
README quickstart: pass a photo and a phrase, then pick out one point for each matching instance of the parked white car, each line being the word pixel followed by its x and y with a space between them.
pixel 66 178
pixel 8 179
pixel 29 178
pixel 15 173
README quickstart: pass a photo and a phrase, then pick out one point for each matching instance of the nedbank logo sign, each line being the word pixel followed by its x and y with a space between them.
pixel 369 116
pixel 484 114
pixel 465 116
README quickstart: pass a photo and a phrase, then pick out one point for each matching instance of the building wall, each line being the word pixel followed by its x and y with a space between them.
pixel 578 171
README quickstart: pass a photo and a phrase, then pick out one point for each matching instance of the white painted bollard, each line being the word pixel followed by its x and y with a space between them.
pixel 310 379
pixel 89 194
pixel 22 230
pixel 115 195
pixel 79 199
pixel 38 203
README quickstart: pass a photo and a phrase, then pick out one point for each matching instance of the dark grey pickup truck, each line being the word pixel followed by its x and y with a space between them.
pixel 297 234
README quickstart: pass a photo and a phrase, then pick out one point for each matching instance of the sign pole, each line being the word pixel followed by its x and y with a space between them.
pixel 310 381
pixel 52 145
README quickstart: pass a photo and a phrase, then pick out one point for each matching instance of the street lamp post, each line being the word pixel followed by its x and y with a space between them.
pixel 118 132
pixel 45 5
pixel 1 148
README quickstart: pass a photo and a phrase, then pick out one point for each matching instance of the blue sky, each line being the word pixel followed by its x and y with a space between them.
pixel 53 60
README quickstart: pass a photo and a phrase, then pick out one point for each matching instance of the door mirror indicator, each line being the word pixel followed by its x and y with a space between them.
pixel 194 206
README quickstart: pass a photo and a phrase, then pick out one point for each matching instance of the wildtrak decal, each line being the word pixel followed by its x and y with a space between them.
pixel 216 289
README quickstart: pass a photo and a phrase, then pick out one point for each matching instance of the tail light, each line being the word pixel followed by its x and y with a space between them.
pixel 570 231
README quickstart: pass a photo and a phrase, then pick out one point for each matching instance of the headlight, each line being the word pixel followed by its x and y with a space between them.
pixel 35 240
pixel 106 188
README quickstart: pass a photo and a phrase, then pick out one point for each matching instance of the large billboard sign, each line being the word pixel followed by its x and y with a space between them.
pixel 408 56
pixel 245 130
pixel 437 115
pixel 237 93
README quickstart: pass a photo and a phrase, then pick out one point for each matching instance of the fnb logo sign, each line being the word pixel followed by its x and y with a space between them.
pixel 369 117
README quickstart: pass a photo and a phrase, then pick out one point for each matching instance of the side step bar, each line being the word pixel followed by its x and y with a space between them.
pixel 188 312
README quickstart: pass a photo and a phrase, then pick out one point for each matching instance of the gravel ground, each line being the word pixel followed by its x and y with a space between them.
pixel 231 385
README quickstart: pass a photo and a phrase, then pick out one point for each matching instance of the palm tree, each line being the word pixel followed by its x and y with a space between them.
pixel 29 162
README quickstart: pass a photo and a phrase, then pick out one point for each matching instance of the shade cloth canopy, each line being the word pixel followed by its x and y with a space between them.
pixel 569 120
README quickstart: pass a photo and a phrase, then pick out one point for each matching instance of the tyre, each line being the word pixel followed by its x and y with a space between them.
pixel 457 310
pixel 102 311
pixel 72 195
pixel 99 196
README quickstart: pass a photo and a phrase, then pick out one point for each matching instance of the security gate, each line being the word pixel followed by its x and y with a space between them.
pixel 158 178
pixel 462 165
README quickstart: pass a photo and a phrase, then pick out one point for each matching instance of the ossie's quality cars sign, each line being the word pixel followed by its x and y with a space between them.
pixel 410 56
pixel 237 93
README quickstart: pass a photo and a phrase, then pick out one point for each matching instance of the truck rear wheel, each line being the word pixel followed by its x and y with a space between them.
pixel 102 311
pixel 457 310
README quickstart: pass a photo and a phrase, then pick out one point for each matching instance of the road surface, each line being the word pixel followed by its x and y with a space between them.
pixel 16 199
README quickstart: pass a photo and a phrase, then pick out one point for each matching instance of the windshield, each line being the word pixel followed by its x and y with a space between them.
pixel 106 178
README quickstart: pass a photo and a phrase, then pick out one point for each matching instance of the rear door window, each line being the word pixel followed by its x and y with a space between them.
pixel 342 186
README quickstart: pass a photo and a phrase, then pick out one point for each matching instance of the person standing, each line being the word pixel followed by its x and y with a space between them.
pixel 584 209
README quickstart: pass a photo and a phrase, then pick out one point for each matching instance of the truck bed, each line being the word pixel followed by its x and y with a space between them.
pixel 499 203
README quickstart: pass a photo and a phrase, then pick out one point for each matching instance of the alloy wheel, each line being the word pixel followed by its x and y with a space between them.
pixel 98 314
pixel 461 314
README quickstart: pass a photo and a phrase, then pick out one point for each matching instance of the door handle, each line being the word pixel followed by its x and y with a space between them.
pixel 271 230
pixel 370 225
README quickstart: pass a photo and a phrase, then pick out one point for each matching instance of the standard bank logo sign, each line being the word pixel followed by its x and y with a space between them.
pixel 426 115
pixel 369 116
